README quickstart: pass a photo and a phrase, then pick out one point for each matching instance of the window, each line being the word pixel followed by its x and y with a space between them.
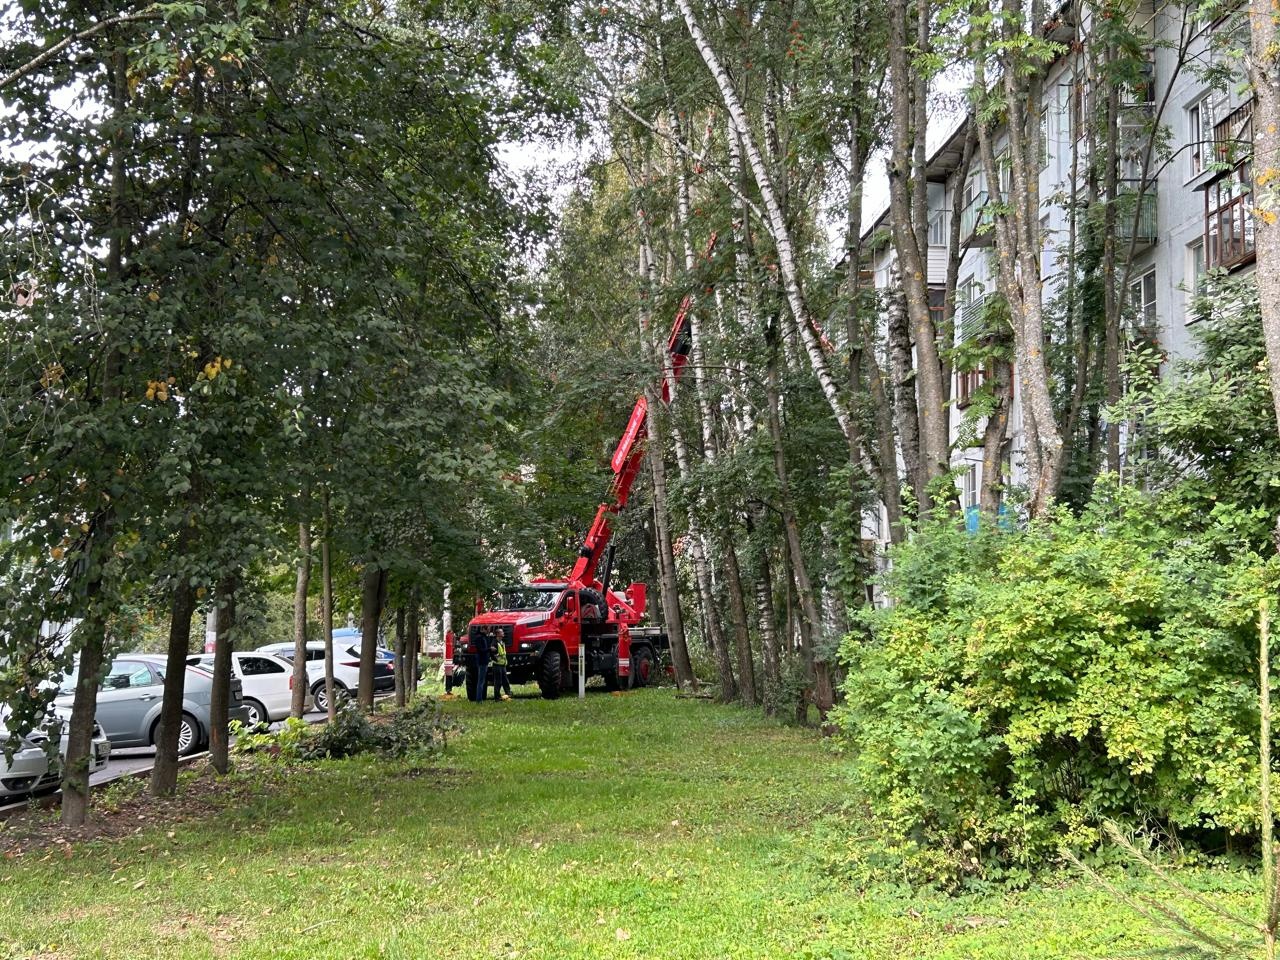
pixel 1195 275
pixel 128 674
pixel 939 222
pixel 1199 124
pixel 1142 297
pixel 968 382
pixel 259 666
pixel 937 306
pixel 971 488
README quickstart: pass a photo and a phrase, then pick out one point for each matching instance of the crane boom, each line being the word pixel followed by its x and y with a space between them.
pixel 628 457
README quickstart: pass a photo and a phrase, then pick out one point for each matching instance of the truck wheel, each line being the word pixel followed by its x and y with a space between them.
pixel 641 667
pixel 551 673
pixel 469 681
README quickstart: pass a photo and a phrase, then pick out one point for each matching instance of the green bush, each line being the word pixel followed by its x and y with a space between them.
pixel 1030 683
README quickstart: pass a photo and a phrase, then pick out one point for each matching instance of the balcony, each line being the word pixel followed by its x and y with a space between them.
pixel 975 222
pixel 1136 215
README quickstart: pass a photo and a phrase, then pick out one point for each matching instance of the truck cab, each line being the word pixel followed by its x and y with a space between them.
pixel 546 625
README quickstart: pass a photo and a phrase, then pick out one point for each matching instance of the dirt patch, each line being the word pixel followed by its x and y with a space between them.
pixel 125 808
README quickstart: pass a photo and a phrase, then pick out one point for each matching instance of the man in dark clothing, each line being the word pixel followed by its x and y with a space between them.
pixel 480 652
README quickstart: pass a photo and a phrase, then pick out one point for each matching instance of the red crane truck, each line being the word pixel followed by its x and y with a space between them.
pixel 547 624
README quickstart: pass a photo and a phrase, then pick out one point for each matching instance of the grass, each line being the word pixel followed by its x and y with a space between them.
pixel 629 826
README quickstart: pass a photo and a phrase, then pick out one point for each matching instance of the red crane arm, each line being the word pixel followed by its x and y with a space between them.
pixel 628 457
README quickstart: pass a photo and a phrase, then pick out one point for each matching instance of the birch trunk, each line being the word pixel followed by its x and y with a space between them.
pixel 777 226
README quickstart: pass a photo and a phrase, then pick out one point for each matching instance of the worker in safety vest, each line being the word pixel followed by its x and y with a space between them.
pixel 500 680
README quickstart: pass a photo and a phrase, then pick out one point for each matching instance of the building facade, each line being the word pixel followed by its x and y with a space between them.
pixel 1182 207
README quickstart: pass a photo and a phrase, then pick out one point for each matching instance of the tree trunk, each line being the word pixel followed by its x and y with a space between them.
pixel 1264 74
pixel 373 584
pixel 994 437
pixel 93 628
pixel 414 646
pixel 399 654
pixel 906 185
pixel 164 775
pixel 220 695
pixel 810 618
pixel 84 706
pixel 672 619
pixel 1111 302
pixel 741 628
pixel 1017 234
pixel 326 613
pixel 770 654
pixel 902 376
pixel 302 585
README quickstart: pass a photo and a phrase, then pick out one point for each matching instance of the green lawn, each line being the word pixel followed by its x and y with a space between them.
pixel 628 826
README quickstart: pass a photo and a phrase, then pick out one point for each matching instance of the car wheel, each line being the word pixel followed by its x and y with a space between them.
pixel 322 702
pixel 258 716
pixel 188 735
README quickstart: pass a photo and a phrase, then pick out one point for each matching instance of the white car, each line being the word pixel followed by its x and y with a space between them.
pixel 346 670
pixel 30 769
pixel 267 681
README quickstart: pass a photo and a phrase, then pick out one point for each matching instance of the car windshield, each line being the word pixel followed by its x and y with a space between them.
pixel 528 598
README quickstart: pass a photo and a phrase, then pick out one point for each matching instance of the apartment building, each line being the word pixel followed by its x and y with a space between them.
pixel 1184 209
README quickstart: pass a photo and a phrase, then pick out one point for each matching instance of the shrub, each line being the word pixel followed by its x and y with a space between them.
pixel 1029 684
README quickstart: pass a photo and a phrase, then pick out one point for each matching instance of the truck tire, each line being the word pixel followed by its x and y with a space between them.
pixel 551 673
pixel 641 667
pixel 469 681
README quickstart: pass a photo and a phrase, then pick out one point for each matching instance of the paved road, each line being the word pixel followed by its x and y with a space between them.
pixel 126 760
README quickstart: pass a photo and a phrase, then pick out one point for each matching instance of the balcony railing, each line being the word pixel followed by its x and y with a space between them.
pixel 1141 230
pixel 974 216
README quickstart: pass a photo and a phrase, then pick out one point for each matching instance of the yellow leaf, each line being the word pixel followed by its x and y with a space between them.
pixel 153 296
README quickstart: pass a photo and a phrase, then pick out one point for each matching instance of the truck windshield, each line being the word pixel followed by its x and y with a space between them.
pixel 528 598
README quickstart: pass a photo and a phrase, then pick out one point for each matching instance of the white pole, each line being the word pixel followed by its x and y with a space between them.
pixel 582 668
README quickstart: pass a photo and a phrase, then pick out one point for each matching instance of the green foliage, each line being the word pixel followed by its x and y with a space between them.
pixel 1208 427
pixel 1028 684
pixel 418 730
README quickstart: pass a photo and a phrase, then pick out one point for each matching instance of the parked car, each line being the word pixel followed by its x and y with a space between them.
pixel 130 696
pixel 267 681
pixel 346 669
pixel 30 769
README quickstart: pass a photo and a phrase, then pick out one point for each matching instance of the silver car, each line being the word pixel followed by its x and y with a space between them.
pixel 132 692
pixel 30 769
